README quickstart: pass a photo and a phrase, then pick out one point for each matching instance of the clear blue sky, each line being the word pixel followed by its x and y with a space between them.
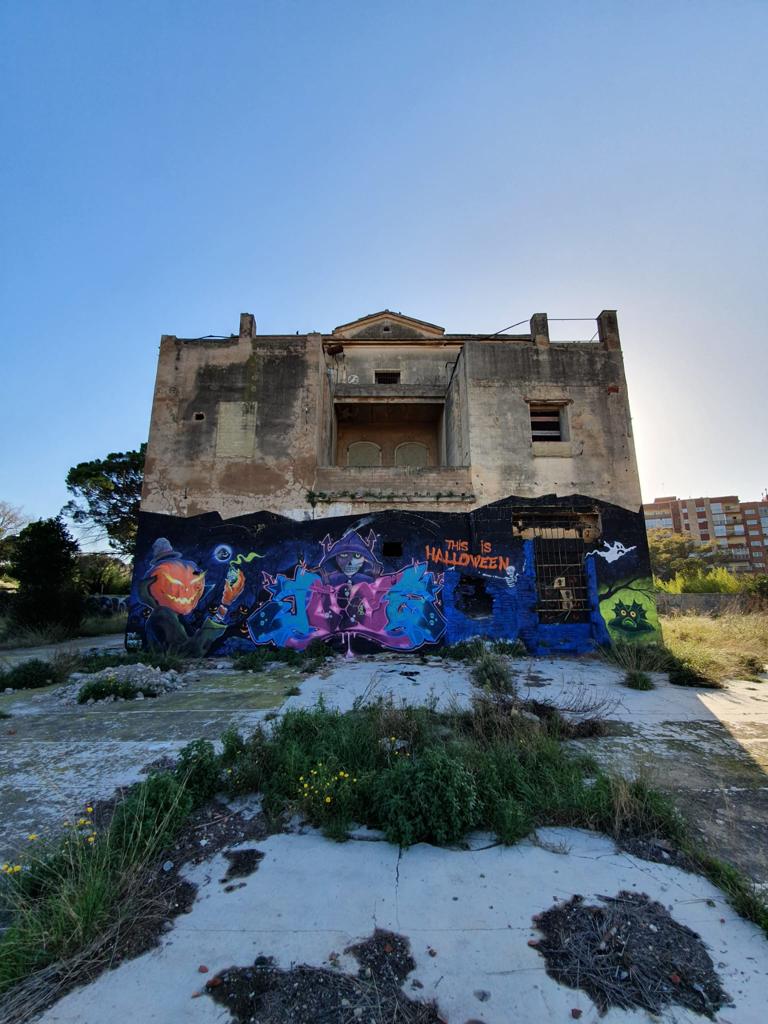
pixel 169 165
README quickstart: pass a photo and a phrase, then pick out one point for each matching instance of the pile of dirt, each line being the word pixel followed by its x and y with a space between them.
pixel 629 953
pixel 266 994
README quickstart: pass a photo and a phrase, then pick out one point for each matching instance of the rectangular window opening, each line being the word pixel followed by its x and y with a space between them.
pixel 392 549
pixel 387 376
pixel 546 422
pixel 561 580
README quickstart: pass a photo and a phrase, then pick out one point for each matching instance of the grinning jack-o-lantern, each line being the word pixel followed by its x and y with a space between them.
pixel 177 585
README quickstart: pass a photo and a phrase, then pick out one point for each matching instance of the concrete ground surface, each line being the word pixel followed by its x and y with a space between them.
pixel 112 642
pixel 311 896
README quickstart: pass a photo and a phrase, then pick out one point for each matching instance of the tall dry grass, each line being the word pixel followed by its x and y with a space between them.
pixel 729 646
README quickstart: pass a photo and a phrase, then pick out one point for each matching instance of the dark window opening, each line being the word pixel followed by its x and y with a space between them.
pixel 387 376
pixel 472 598
pixel 199 416
pixel 561 580
pixel 392 549
pixel 546 423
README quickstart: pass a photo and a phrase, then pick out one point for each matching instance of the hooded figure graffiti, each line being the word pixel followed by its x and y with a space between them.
pixel 348 595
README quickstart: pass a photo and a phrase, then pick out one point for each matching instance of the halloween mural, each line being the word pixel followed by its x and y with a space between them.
pixel 558 574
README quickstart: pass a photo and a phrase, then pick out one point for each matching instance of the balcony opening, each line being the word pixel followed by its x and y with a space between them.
pixel 388 434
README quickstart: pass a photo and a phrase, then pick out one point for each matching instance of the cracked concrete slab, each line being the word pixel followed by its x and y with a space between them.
pixel 472 908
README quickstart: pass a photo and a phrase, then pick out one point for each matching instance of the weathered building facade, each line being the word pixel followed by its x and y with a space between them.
pixel 390 485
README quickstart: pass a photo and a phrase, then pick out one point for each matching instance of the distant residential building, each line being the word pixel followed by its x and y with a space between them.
pixel 740 527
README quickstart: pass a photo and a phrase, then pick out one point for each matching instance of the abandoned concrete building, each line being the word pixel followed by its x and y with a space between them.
pixel 390 486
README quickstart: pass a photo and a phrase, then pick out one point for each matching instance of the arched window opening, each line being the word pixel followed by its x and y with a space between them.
pixel 411 453
pixel 363 453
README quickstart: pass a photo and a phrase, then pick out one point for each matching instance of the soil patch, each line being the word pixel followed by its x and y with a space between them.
pixel 242 863
pixel 385 955
pixel 265 994
pixel 629 953
pixel 657 850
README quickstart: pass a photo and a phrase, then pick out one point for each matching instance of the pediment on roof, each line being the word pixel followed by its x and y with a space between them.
pixel 387 324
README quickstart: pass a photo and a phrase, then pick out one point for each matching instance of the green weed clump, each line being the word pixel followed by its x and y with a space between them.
pixel 100 689
pixel 429 798
pixel 243 762
pixel 308 660
pixel 464 650
pixel 492 673
pixel 637 680
pixel 77 892
pixel 30 675
pixel 637 657
pixel 198 770
pixel 151 816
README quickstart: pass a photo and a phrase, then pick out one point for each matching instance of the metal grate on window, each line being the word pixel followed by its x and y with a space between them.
pixel 387 376
pixel 561 580
pixel 545 423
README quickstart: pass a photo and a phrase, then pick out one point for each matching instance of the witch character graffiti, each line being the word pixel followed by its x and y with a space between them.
pixel 348 595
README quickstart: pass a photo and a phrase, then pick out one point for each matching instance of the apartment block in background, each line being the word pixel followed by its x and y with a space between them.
pixel 740 527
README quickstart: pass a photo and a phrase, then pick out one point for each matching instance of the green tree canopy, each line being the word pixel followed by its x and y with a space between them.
pixel 102 573
pixel 678 553
pixel 44 561
pixel 106 495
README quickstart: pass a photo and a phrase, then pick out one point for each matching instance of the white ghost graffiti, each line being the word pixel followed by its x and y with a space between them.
pixel 613 551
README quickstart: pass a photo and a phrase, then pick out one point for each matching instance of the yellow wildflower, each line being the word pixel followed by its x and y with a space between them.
pixel 91 839
pixel 32 836
pixel 327 799
pixel 89 810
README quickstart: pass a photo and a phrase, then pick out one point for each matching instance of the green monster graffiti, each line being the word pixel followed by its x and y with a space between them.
pixel 629 611
pixel 630 617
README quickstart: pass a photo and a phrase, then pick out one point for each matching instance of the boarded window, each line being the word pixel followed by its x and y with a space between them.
pixel 387 376
pixel 411 453
pixel 363 453
pixel 236 430
pixel 546 422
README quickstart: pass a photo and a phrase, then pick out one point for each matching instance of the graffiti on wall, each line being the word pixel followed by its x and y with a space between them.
pixel 348 595
pixel 629 609
pixel 344 595
pixel 394 580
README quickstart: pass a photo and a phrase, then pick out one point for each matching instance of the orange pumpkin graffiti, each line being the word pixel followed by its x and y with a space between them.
pixel 177 585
